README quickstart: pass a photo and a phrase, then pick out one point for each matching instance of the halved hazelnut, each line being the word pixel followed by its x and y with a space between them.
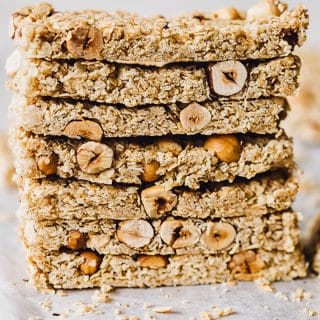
pixel 150 171
pixel 76 240
pixel 265 9
pixel 218 235
pixel 157 200
pixel 246 266
pixel 179 233
pixel 227 78
pixel 91 262
pixel 135 233
pixel 85 42
pixel 194 117
pixel 226 148
pixel 169 145
pixel 48 164
pixel 94 157
pixel 87 129
pixel 153 262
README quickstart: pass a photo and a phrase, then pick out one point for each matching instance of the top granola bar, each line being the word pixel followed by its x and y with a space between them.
pixel 267 30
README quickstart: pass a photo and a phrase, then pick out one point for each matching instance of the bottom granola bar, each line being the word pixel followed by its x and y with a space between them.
pixel 86 269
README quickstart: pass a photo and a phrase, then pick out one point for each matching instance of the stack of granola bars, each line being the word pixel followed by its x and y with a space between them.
pixel 148 150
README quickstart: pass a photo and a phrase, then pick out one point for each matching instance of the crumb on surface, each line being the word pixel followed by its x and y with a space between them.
pixel 300 295
pixel 309 312
pixel 264 285
pixel 163 310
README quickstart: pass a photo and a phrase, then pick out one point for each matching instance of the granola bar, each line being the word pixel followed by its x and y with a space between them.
pixel 52 117
pixel 133 86
pixel 177 162
pixel 42 32
pixel 59 199
pixel 71 270
pixel 171 236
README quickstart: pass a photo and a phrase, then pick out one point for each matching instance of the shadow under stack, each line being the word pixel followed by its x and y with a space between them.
pixel 149 151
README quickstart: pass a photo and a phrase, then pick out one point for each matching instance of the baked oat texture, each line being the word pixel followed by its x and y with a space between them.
pixel 62 270
pixel 171 236
pixel 133 86
pixel 42 32
pixel 303 122
pixel 128 161
pixel 72 199
pixel 51 117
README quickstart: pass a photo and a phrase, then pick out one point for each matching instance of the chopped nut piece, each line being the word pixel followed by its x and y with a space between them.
pixel 157 201
pixel 218 235
pixel 227 148
pixel 13 63
pixel 228 13
pixel 179 233
pixel 169 145
pixel 85 42
pixel 48 164
pixel 227 78
pixel 266 8
pixel 245 266
pixel 194 117
pixel 153 262
pixel 135 233
pixel 150 171
pixel 91 262
pixel 94 157
pixel 87 129
pixel 76 240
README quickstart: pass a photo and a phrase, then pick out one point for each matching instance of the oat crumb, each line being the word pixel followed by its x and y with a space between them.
pixel 309 312
pixel 219 313
pixel 101 297
pixel 300 294
pixel 264 285
pixel 232 283
pixel 61 293
pixel 149 317
pixel 205 315
pixel 46 305
pixel 116 311
pixel 281 296
pixel 163 310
